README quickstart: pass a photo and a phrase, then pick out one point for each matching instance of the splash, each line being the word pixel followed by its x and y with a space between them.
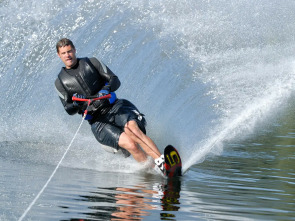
pixel 202 72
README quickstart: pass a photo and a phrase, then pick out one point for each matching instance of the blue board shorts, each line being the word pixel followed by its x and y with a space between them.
pixel 108 127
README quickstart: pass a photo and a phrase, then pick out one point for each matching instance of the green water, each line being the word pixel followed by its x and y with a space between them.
pixel 252 179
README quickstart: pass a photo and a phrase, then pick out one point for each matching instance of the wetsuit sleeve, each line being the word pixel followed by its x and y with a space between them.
pixel 106 74
pixel 65 99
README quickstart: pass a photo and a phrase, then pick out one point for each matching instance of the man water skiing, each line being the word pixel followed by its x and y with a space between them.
pixel 116 123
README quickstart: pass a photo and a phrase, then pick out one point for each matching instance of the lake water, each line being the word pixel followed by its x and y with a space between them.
pixel 251 180
pixel 215 79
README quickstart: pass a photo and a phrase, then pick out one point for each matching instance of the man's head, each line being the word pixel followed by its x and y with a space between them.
pixel 67 52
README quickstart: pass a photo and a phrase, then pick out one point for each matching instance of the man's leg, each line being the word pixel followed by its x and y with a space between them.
pixel 137 136
pixel 134 133
pixel 113 136
pixel 127 143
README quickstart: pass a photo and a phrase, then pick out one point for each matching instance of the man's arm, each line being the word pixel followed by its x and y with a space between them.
pixel 65 99
pixel 107 74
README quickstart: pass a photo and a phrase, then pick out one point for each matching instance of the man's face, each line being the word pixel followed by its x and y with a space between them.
pixel 68 56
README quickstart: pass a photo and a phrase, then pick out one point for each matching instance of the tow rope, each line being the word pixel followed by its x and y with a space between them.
pixel 89 100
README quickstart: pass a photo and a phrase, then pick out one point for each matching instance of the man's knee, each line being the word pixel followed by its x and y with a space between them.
pixel 127 143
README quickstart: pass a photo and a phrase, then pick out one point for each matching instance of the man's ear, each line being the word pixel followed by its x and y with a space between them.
pixel 58 54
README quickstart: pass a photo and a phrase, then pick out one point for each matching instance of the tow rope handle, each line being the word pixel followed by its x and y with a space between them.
pixel 90 99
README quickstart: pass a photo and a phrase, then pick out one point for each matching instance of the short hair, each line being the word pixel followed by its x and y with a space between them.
pixel 64 42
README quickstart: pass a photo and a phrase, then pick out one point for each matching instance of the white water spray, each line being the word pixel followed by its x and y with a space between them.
pixel 192 67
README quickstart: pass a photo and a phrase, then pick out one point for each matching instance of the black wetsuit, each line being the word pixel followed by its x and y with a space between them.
pixel 87 78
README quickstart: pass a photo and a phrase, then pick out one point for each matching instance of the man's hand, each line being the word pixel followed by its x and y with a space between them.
pixel 78 103
pixel 104 91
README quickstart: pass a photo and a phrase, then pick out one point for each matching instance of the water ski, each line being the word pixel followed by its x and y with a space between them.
pixel 172 163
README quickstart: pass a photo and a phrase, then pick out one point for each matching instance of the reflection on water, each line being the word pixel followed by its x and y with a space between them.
pixel 253 179
pixel 131 203
pixel 170 200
